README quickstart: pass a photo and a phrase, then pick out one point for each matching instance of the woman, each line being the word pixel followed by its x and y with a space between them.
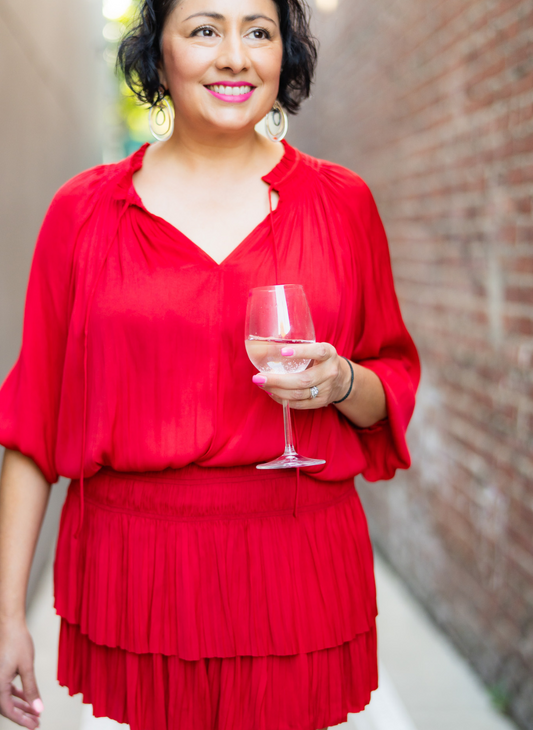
pixel 194 590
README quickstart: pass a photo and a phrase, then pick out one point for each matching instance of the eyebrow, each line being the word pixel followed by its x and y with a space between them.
pixel 219 16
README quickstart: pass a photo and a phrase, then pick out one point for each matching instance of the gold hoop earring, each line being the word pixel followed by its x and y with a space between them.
pixel 161 118
pixel 277 123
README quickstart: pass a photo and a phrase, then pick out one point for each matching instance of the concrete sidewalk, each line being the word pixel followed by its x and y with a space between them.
pixel 424 683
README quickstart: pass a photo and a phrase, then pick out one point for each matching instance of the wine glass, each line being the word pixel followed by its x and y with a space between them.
pixel 276 317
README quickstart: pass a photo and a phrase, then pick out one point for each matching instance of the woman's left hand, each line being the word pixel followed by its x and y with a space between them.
pixel 329 373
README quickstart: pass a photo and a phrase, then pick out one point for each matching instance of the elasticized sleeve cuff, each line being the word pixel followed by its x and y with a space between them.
pixel 385 442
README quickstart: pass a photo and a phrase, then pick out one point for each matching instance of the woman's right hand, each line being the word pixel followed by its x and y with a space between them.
pixel 24 494
pixel 16 657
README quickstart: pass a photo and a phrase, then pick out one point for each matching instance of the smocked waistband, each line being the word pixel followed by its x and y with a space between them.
pixel 196 492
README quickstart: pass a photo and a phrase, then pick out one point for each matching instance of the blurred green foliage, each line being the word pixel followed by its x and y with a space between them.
pixel 500 698
pixel 129 113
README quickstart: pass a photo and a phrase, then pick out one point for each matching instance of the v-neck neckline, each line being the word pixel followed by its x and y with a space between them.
pixel 274 178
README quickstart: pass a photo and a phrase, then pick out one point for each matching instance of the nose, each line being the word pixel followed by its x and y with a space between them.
pixel 233 53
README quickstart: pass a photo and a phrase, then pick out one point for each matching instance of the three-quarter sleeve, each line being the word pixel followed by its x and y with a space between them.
pixel 30 395
pixel 386 348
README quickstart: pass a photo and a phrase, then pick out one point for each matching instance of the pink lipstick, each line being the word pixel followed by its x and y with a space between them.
pixel 232 91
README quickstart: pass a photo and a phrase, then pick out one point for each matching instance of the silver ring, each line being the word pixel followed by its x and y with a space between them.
pixel 314 391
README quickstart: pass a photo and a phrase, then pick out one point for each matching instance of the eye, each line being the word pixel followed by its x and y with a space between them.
pixel 204 32
pixel 260 34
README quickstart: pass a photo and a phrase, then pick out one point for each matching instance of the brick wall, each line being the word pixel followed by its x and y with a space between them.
pixel 432 104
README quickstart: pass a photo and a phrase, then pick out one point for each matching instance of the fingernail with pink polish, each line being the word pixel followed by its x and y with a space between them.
pixel 266 391
pixel 287 351
pixel 38 705
pixel 259 379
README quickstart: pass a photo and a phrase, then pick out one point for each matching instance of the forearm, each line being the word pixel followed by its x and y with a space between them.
pixel 366 403
pixel 24 495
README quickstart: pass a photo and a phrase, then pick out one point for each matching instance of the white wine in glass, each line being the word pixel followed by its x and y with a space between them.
pixel 276 317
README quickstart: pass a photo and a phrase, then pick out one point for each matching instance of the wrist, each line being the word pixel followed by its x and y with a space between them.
pixel 346 385
pixel 9 618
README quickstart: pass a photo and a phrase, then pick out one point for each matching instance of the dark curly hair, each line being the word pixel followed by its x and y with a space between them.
pixel 139 52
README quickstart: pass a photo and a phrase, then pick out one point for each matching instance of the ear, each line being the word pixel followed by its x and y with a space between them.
pixel 162 75
pixel 163 81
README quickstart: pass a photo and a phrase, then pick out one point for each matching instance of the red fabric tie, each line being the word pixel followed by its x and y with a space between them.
pixel 85 331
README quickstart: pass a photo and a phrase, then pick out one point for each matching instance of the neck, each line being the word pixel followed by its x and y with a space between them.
pixel 194 151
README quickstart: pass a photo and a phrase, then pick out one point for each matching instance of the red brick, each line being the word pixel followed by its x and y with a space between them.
pixel 520 294
pixel 520 325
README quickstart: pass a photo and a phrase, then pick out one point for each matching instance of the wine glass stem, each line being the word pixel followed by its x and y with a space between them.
pixel 287 424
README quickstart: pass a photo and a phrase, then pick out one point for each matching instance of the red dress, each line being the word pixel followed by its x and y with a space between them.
pixel 195 591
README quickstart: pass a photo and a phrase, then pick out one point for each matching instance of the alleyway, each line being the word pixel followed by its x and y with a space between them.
pixel 425 684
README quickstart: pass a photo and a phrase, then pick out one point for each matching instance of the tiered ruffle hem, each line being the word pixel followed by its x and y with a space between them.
pixel 194 599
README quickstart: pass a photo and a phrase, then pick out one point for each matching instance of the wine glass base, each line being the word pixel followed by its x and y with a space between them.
pixel 290 461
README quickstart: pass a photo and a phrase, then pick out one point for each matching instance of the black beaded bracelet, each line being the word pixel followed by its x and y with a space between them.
pixel 351 382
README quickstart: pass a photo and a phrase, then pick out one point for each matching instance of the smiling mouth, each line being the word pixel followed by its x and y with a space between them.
pixel 223 90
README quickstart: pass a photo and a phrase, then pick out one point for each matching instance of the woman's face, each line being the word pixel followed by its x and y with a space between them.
pixel 222 62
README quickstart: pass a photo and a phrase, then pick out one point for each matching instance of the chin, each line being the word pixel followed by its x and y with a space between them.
pixel 231 125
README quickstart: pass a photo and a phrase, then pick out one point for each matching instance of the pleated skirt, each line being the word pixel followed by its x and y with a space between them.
pixel 195 599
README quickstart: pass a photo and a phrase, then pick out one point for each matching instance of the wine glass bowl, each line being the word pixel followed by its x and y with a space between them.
pixel 266 356
pixel 277 317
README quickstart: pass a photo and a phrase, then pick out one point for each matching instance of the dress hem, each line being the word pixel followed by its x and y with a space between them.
pixel 308 691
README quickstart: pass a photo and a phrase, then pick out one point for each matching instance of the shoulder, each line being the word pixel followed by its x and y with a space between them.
pixel 72 206
pixel 345 196
pixel 340 179
pixel 75 198
pixel 343 188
